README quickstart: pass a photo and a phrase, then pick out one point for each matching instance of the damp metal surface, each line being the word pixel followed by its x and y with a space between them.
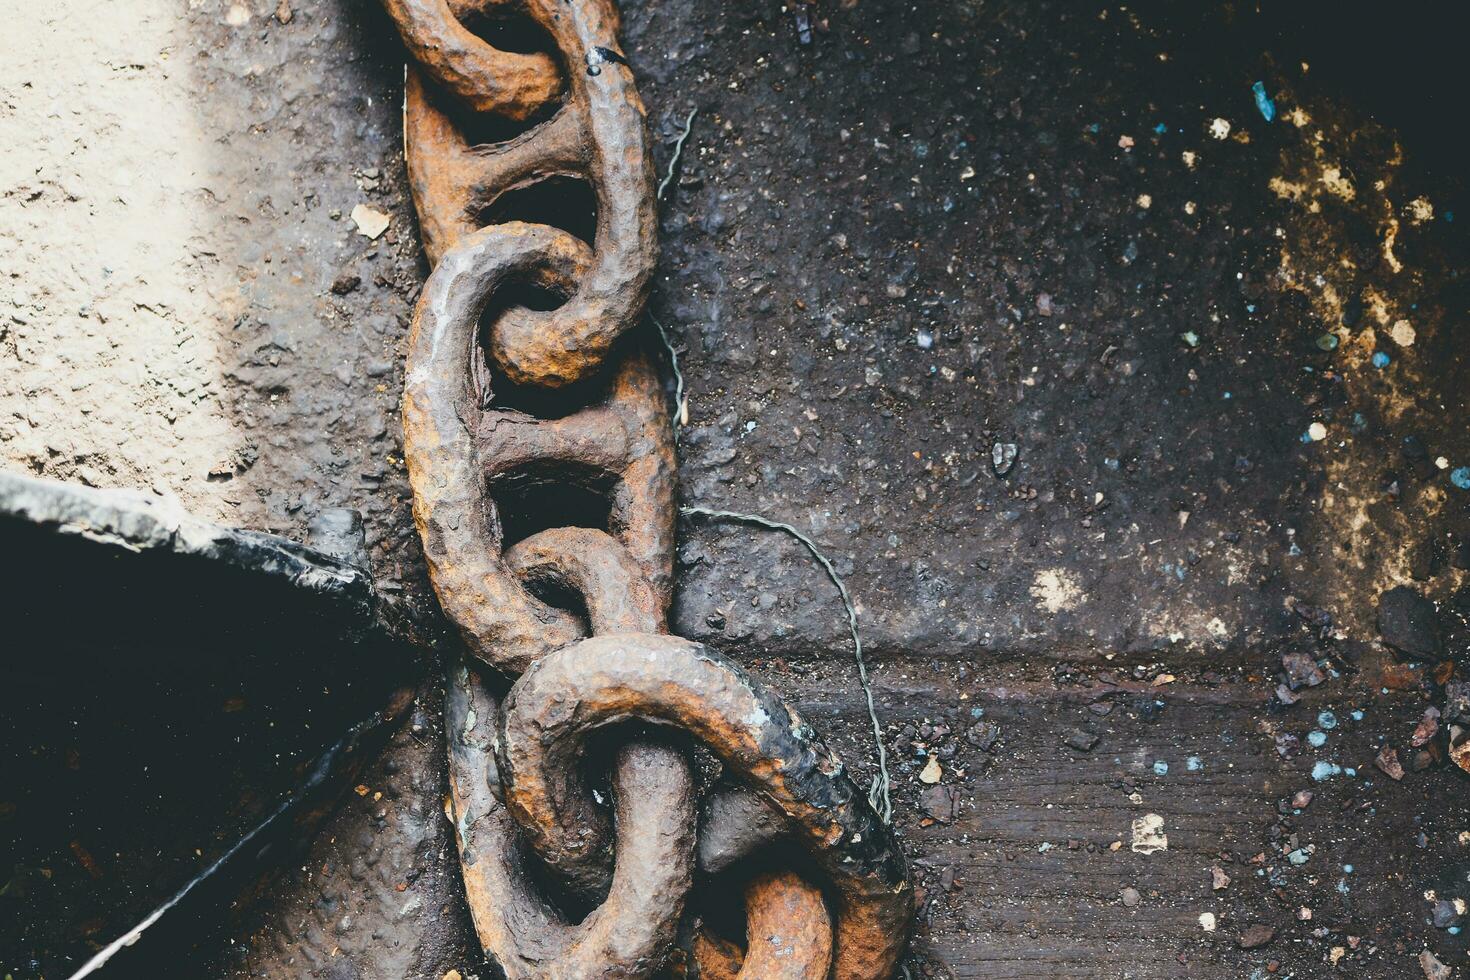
pixel 503 401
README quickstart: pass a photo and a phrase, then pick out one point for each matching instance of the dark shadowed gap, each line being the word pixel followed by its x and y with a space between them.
pixel 562 202
pixel 562 495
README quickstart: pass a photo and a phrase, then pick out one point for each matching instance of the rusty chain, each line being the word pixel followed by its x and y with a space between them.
pixel 560 886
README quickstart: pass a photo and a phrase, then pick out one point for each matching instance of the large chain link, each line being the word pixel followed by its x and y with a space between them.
pixel 537 846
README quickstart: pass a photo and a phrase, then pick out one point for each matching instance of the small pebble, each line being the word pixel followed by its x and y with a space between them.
pixel 1433 968
pixel 1254 937
pixel 1444 914
pixel 1387 761
pixel 1263 101
pixel 1003 457
pixel 1082 741
pixel 1130 897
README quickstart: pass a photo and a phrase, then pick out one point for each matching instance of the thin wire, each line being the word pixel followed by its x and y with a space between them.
pixel 678 152
pixel 878 792
pixel 681 407
pixel 134 934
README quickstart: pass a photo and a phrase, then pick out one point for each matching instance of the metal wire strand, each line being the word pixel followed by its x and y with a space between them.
pixel 878 792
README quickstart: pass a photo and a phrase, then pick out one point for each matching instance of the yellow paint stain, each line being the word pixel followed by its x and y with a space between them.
pixel 1390 236
pixel 1287 190
pixel 1055 590
pixel 1337 184
pixel 1359 540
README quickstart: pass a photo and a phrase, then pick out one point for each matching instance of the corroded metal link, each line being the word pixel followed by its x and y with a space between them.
pixel 454 183
pixel 566 696
pixel 593 565
pixel 626 937
pixel 788 935
pixel 558 347
pixel 485 78
pixel 462 450
pixel 456 450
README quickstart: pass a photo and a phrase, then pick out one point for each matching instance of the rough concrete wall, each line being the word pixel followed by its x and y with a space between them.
pixel 188 302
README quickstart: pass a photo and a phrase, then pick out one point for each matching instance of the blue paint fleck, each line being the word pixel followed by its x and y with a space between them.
pixel 1327 720
pixel 1227 395
pixel 1298 857
pixel 1342 886
pixel 1250 307
pixel 1380 359
pixel 977 712
pixel 1449 216
pixel 1318 739
pixel 1161 129
pixel 1461 477
pixel 1263 101
pixel 1357 714
pixel 1161 768
pixel 1093 128
pixel 1306 437
pixel 1347 869
pixel 1325 770
pixel 1194 763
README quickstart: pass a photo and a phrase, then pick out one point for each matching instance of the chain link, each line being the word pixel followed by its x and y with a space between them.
pixel 524 813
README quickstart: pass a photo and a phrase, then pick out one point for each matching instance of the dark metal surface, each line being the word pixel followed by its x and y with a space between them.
pixel 238 876
pixel 172 689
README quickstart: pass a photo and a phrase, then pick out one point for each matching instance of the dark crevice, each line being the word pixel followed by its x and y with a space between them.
pixel 509 32
pixel 559 495
pixel 561 202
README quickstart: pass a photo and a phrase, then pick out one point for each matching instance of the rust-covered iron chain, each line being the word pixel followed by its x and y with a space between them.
pixel 711 776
